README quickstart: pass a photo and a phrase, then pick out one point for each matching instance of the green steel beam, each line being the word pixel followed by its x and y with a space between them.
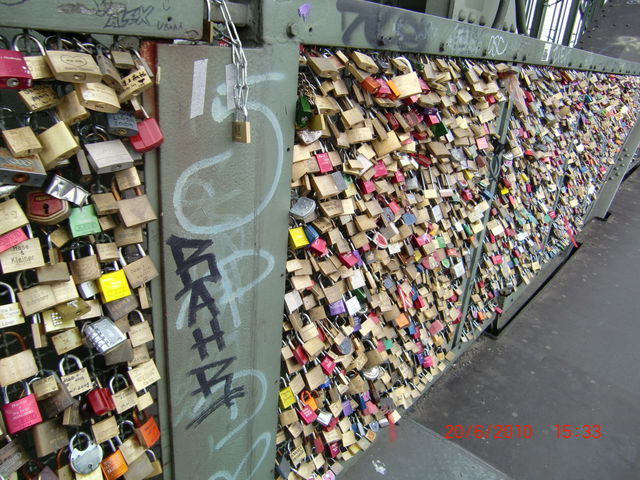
pixel 476 256
pixel 616 173
pixel 538 17
pixel 570 22
pixel 360 24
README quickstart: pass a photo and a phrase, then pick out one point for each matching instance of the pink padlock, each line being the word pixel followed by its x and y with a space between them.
pixel 22 413
pixel 307 415
pixel 11 239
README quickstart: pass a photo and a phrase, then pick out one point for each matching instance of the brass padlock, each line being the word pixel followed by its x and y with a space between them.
pixel 70 110
pixel 21 141
pixel 38 98
pixel 98 97
pixel 134 211
pixel 121 58
pixel 140 271
pixel 58 142
pixel 110 74
pixel 37 63
pixel 73 67
pixel 10 313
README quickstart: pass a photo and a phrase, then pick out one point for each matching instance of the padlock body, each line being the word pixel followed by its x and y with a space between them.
pixel 109 156
pixel 149 136
pixel 21 414
pixel 100 401
pixel 148 433
pixel 45 209
pixel 104 335
pixel 26 170
pixel 14 72
pixel 113 286
pixel 122 124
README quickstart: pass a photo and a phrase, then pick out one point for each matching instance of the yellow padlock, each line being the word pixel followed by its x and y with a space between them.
pixel 504 190
pixel 297 238
pixel 286 398
pixel 113 286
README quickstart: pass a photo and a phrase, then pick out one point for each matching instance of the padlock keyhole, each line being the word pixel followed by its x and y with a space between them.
pixel 45 207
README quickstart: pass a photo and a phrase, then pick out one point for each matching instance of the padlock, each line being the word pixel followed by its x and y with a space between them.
pixel 10 313
pixel 240 128
pixel 99 401
pixel 21 141
pixel 122 307
pixel 64 472
pixel 113 285
pixel 58 142
pixel 73 67
pixel 121 58
pixel 140 333
pixel 54 271
pixel 304 210
pixel 47 210
pixel 123 399
pixel 38 98
pixel 69 109
pixel 150 136
pixel 49 436
pixel 78 381
pixel 23 256
pixel 134 211
pixel 106 249
pixel 104 155
pixel 129 178
pixel 36 298
pixel 86 268
pixel 12 457
pixel 155 463
pixel 104 202
pixel 84 221
pixel 98 97
pixel 140 271
pixel 86 460
pixel 134 84
pixel 286 397
pixel 113 465
pixel 122 124
pixel 22 413
pixel 146 429
pixel 63 189
pixel 14 72
pixel 130 447
pixel 103 334
pixel 110 74
pixel 37 64
pixel 303 111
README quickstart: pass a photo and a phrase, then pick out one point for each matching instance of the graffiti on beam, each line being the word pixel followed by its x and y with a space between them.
pixel 384 27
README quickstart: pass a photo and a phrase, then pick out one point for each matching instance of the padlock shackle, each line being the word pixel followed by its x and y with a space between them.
pixel 59 457
pixel 113 380
pixel 12 293
pixel 27 37
pixel 67 357
pixel 16 335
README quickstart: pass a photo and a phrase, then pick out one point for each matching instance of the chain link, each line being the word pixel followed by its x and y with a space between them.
pixel 241 88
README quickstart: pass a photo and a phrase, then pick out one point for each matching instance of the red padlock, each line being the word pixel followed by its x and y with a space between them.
pixel 328 365
pixel 22 413
pixel 100 401
pixel 319 247
pixel 324 162
pixel 147 429
pixel 348 259
pixel 14 72
pixel 149 135
pixel 12 238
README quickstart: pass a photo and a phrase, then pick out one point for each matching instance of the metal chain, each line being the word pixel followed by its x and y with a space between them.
pixel 241 88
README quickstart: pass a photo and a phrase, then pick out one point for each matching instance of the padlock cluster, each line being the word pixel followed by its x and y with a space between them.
pixel 405 169
pixel 76 338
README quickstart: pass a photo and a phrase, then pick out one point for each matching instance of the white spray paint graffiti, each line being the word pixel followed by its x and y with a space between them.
pixel 497 45
pixel 201 210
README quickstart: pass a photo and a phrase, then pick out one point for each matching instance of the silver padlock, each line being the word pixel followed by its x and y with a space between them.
pixel 87 460
pixel 88 289
pixel 324 418
pixel 103 334
pixel 60 187
pixel 304 210
pixel 106 156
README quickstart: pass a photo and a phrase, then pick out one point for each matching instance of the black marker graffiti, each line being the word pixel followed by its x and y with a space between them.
pixel 384 26
pixel 128 18
pixel 197 285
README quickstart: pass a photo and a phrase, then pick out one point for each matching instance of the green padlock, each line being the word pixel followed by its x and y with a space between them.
pixel 303 111
pixel 439 129
pixel 360 294
pixel 84 221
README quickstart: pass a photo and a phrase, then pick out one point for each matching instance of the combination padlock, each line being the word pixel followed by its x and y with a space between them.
pixel 84 461
pixel 103 334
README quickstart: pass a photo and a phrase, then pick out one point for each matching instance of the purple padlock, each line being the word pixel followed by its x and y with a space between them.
pixel 357 323
pixel 347 409
pixel 337 308
pixel 360 262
